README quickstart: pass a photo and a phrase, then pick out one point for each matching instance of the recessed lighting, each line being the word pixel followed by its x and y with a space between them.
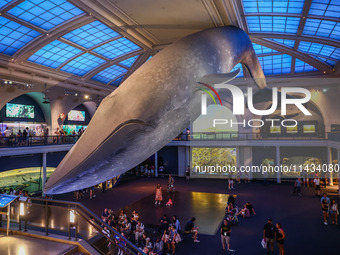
pixel 86 96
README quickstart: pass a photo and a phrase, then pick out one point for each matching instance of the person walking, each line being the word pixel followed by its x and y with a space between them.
pixel 297 186
pixel 317 186
pixel 187 173
pixel 325 202
pixel 280 238
pixel 225 235
pixel 159 196
pixel 269 235
pixel 334 212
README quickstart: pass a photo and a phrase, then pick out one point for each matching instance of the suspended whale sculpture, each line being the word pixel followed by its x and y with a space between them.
pixel 153 106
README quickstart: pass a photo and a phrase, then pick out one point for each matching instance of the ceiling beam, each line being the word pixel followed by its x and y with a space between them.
pixel 242 21
pixel 315 39
pixel 323 67
pixel 111 15
pixel 293 15
pixel 9 6
pixel 102 67
pixel 53 34
pixel 213 12
pixel 227 11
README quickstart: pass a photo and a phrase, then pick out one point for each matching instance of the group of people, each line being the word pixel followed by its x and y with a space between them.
pixel 272 233
pixel 20 138
pixel 165 239
pixel 329 207
pixel 232 213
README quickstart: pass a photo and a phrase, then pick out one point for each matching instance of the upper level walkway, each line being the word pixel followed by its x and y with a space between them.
pixel 45 144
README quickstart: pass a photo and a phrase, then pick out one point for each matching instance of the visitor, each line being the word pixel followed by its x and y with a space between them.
pixel 126 227
pixel 92 189
pixel 334 212
pixel 250 208
pixel 173 238
pixel 187 173
pixel 158 247
pixel 158 197
pixel 187 132
pixel 244 212
pixel 280 238
pixel 139 232
pixel 230 183
pixel 24 136
pixel 134 219
pixel 165 221
pixel 190 228
pixel 325 202
pixel 269 234
pixel 8 134
pixel 297 186
pixel 105 214
pixel 171 183
pixel 177 224
pixel 19 136
pixel 225 235
pixel 317 186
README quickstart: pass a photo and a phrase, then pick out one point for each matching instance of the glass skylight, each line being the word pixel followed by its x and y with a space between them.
pixel 329 8
pixel 116 48
pixel 83 64
pixel 45 13
pixel 273 24
pixel 320 49
pixel 128 62
pixel 4 2
pixel 239 65
pixel 277 64
pixel 91 34
pixel 277 6
pixel 13 36
pixel 331 62
pixel 54 54
pixel 259 49
pixel 286 42
pixel 117 82
pixel 109 74
pixel 301 66
pixel 322 28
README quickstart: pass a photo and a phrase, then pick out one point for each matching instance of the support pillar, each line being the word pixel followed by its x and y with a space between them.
pixel 44 163
pixel 156 164
pixel 329 162
pixel 338 153
pixel 278 162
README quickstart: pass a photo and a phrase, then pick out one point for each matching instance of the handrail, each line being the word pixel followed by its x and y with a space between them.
pixel 194 136
pixel 90 217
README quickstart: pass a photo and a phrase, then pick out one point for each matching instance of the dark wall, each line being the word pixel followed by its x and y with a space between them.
pixel 34 160
pixel 25 100
pixel 83 123
pixel 168 157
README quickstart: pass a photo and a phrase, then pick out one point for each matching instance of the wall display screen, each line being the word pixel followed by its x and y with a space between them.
pixel 213 162
pixel 275 129
pixel 19 111
pixel 70 128
pixel 308 128
pixel 292 130
pixel 75 115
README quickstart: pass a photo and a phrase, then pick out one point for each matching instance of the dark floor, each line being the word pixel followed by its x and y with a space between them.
pixel 301 217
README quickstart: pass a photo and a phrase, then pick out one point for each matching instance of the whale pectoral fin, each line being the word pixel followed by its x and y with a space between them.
pixel 219 78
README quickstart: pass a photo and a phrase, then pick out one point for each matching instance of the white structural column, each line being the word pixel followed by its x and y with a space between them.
pixel 329 162
pixel 44 163
pixel 278 162
pixel 238 159
pixel 156 164
pixel 338 152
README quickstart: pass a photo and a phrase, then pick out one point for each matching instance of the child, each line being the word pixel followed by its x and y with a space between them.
pixel 169 203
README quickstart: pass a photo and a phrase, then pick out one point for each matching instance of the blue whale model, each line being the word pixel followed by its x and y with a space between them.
pixel 153 106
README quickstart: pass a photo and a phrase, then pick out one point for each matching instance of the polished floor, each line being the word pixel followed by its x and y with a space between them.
pixel 301 217
pixel 22 245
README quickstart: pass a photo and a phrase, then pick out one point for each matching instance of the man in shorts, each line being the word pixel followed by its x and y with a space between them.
pixel 190 228
pixel 317 186
pixel 225 235
pixel 325 202
pixel 269 235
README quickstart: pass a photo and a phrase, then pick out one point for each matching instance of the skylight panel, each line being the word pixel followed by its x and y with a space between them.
pixel 109 74
pixel 83 64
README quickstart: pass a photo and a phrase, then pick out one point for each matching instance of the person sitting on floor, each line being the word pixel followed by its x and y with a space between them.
pixel 139 231
pixel 190 228
pixel 250 208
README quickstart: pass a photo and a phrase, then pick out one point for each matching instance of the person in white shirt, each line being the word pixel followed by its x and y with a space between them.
pixel 317 186
pixel 139 231
pixel 8 132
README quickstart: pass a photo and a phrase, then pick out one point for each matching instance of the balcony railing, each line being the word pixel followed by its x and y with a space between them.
pixel 207 136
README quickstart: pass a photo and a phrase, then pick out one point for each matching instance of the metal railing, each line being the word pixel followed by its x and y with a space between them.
pixel 15 141
pixel 70 219
pixel 196 136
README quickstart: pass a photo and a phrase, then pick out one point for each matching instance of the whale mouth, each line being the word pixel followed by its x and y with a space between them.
pixel 114 141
